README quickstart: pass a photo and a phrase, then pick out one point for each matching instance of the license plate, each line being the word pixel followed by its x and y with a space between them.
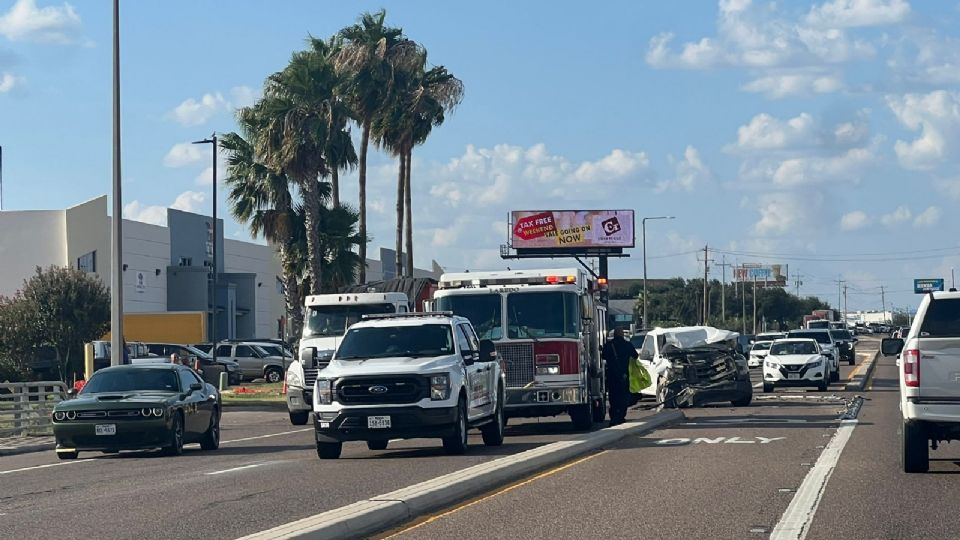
pixel 106 429
pixel 793 375
pixel 378 422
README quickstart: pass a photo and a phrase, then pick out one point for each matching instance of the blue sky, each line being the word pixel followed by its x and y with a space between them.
pixel 795 132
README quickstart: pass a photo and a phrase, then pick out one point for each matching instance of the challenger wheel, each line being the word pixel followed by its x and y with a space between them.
pixel 211 439
pixel 68 455
pixel 175 448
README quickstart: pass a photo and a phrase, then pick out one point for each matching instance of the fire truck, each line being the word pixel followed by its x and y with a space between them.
pixel 549 328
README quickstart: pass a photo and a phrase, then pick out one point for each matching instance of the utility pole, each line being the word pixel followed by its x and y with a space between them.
pixel 743 303
pixel 723 291
pixel 116 225
pixel 844 305
pixel 706 298
pixel 883 301
pixel 798 283
pixel 754 305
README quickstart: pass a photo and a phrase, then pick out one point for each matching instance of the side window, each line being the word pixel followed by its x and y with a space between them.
pixel 647 348
pixel 186 379
pixel 462 340
pixel 223 350
pixel 156 349
pixel 471 337
pixel 245 351
pixel 942 319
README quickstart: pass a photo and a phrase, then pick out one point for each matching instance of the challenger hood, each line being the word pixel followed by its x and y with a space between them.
pixel 115 400
pixel 400 365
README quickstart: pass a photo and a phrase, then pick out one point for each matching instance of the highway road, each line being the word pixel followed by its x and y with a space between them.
pixel 723 473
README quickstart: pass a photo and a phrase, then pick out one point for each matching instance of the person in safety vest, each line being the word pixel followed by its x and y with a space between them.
pixel 618 353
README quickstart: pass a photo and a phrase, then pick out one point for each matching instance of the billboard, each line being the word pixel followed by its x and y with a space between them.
pixel 921 286
pixel 768 274
pixel 572 229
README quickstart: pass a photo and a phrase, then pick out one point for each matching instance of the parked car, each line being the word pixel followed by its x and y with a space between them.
pixel 254 361
pixel 419 375
pixel 846 345
pixel 828 348
pixel 929 361
pixel 795 362
pixel 135 407
pixel 165 350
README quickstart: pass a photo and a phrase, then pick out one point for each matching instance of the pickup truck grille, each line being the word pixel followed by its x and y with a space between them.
pixel 310 378
pixel 519 360
pixel 381 390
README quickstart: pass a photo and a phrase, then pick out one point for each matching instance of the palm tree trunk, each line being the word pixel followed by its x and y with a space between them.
pixel 335 186
pixel 408 157
pixel 400 185
pixel 291 294
pixel 311 200
pixel 364 142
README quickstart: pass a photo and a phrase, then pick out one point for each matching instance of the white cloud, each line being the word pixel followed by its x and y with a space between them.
pixel 690 172
pixel 188 201
pixel 927 218
pixel 807 170
pixel 950 187
pixel 789 213
pixel 9 81
pixel 849 13
pixel 937 117
pixel 205 178
pixel 898 216
pixel 764 132
pixel 781 85
pixel 194 112
pixel 51 24
pixel 182 154
pixel 854 220
pixel 923 56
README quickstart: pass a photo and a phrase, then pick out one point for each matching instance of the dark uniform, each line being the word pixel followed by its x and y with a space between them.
pixel 618 352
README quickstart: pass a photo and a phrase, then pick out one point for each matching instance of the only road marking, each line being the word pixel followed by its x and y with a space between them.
pixel 681 441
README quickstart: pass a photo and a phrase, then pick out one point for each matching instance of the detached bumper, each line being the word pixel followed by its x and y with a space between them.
pixel 405 423
pixel 729 391
pixel 299 399
pixel 131 434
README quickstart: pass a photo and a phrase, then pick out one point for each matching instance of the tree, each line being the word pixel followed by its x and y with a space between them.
pixel 18 338
pixel 69 308
pixel 372 52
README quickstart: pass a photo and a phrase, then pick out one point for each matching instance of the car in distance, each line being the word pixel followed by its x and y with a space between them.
pixel 929 361
pixel 758 352
pixel 137 407
pixel 846 345
pixel 189 352
pixel 795 362
pixel 404 376
pixel 254 361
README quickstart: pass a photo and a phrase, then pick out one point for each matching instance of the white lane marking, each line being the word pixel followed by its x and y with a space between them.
pixel 267 436
pixel 758 385
pixel 45 466
pixel 242 467
pixel 796 519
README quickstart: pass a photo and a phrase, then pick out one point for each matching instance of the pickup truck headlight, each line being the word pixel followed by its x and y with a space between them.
pixel 324 391
pixel 293 378
pixel 439 387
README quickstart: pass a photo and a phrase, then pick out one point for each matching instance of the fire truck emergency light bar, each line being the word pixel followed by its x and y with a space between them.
pixel 538 280
pixel 410 315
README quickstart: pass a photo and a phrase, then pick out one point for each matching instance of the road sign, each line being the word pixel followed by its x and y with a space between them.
pixel 922 286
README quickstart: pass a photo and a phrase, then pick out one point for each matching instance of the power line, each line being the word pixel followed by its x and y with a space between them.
pixel 827 259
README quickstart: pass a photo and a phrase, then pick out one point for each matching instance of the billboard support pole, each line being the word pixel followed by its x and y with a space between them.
pixel 604 271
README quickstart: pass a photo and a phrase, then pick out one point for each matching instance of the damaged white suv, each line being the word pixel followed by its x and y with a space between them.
pixel 405 376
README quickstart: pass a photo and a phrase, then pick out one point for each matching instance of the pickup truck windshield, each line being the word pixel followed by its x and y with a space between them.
pixel 822 337
pixel 388 341
pixel 333 321
pixel 483 310
pixel 841 335
pixel 130 380
pixel 543 315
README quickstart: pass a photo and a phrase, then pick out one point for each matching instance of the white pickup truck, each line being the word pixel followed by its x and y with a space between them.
pixel 404 376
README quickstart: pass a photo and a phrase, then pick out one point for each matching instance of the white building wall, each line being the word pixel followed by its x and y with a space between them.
pixel 247 257
pixel 28 239
pixel 86 232
pixel 146 251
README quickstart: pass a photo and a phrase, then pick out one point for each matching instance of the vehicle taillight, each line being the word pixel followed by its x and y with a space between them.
pixel 911 367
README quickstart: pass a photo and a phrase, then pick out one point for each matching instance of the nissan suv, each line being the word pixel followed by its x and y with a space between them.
pixel 405 376
pixel 828 348
pixel 929 361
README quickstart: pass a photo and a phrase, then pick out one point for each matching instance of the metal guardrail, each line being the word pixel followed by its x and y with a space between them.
pixel 25 408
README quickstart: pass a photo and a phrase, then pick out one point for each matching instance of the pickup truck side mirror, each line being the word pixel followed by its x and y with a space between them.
pixel 891 346
pixel 488 352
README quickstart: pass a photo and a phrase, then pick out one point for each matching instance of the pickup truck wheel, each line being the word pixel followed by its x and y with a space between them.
pixel 299 418
pixel 273 374
pixel 915 454
pixel 377 445
pixel 329 450
pixel 456 443
pixel 493 432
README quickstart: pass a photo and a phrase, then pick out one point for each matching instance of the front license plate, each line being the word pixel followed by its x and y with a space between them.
pixel 106 429
pixel 378 422
pixel 793 375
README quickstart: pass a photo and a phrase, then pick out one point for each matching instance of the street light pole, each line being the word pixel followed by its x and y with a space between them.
pixel 213 325
pixel 116 225
pixel 643 227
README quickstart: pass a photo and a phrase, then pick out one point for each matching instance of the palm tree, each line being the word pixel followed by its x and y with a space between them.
pixel 339 152
pixel 372 52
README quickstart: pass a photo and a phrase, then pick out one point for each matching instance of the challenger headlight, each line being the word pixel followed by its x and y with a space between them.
pixel 157 411
pixel 324 391
pixel 59 416
pixel 293 378
pixel 71 415
pixel 439 387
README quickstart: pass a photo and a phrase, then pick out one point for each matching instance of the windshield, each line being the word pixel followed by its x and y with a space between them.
pixel 543 314
pixel 840 334
pixel 131 380
pixel 388 341
pixel 761 346
pixel 793 347
pixel 333 321
pixel 821 337
pixel 483 310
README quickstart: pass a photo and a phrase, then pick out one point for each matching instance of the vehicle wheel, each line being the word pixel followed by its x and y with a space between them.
pixel 378 445
pixel 835 376
pixel 742 402
pixel 273 375
pixel 329 450
pixel 666 396
pixel 915 454
pixel 175 448
pixel 299 418
pixel 582 417
pixel 822 386
pixel 211 439
pixel 457 442
pixel 599 409
pixel 68 455
pixel 767 388
pixel 493 432
pixel 852 360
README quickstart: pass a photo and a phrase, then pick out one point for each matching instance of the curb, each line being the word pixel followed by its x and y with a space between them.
pixel 26 449
pixel 391 509
pixel 860 381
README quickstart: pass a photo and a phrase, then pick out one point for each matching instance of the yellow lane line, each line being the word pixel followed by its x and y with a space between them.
pixel 501 491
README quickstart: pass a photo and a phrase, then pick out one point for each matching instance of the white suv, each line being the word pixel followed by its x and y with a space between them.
pixel 929 378
pixel 405 376
pixel 795 362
